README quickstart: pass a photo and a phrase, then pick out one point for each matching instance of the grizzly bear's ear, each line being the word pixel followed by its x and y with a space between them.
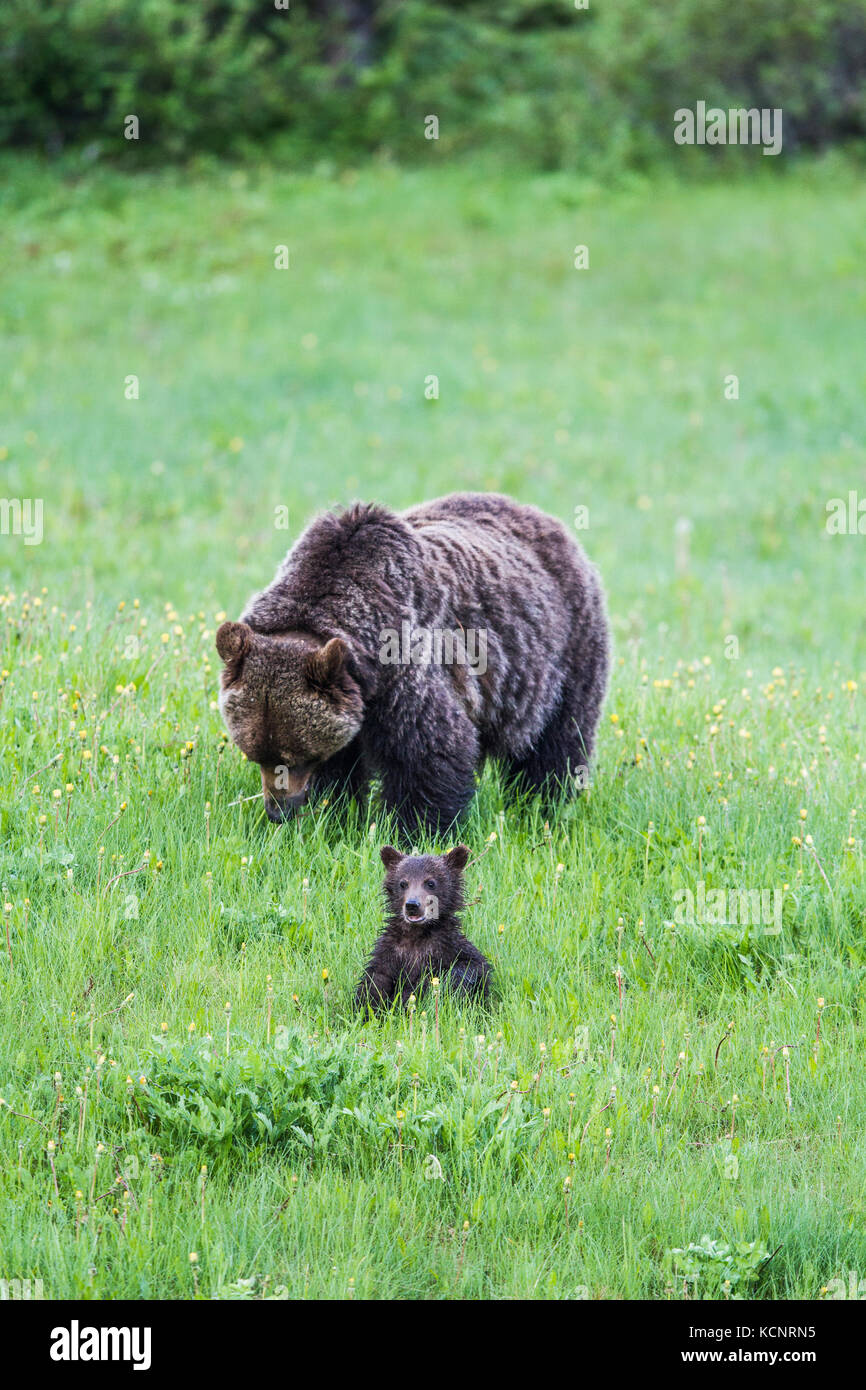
pixel 324 666
pixel 233 641
pixel 456 858
pixel 390 856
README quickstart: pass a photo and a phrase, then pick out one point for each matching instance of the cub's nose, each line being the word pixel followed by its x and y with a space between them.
pixel 414 909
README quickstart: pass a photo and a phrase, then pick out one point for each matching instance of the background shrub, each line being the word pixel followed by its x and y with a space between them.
pixel 534 79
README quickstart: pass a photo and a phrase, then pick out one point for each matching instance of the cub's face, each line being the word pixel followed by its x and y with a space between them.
pixel 289 703
pixel 422 888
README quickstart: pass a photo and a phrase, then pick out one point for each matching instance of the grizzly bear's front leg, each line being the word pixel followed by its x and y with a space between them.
pixel 343 774
pixel 376 990
pixel 470 977
pixel 429 795
pixel 426 750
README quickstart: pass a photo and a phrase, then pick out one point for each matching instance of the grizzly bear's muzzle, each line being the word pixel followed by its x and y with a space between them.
pixel 284 790
pixel 279 811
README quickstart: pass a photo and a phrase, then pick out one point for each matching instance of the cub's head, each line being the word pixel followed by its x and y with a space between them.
pixel 289 702
pixel 423 888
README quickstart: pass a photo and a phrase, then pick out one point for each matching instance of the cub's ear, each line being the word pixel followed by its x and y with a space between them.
pixel 390 856
pixel 322 667
pixel 233 641
pixel 456 858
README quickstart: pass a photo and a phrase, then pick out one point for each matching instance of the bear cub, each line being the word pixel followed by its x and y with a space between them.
pixel 422 938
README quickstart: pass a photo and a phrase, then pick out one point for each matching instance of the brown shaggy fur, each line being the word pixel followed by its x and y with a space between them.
pixel 307 695
pixel 422 939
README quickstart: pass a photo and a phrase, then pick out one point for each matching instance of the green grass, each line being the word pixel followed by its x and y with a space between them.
pixel 262 389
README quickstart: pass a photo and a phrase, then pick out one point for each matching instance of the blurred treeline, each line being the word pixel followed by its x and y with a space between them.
pixel 538 81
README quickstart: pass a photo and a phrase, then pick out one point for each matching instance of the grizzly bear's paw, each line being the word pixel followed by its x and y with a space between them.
pixel 373 993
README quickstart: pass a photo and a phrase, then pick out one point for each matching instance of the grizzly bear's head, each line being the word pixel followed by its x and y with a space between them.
pixel 289 702
pixel 423 888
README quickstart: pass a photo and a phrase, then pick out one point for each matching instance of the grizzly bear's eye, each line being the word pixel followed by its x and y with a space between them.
pixel 430 884
pixel 403 885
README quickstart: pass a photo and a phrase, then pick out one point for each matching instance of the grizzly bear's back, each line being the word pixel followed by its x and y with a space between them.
pixel 517 574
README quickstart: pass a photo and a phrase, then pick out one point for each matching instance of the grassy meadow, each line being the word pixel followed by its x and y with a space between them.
pixel 190 1106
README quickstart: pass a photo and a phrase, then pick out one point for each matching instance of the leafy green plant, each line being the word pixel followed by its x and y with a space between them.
pixel 295 1092
pixel 322 1098
pixel 714 1267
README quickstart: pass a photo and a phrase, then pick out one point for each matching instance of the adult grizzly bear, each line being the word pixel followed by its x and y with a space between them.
pixel 411 646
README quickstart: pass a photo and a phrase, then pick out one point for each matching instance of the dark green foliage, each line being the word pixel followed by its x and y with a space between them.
pixel 536 80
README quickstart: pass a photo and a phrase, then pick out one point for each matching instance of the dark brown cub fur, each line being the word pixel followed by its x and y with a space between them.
pixel 422 939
